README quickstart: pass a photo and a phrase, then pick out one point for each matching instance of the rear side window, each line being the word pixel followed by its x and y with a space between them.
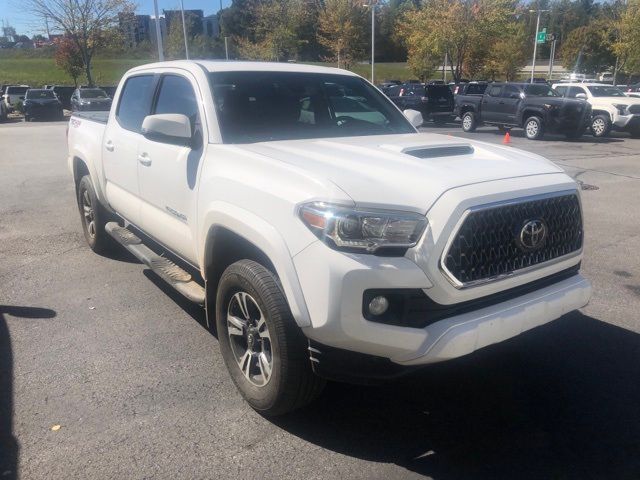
pixel 495 91
pixel 511 91
pixel 561 90
pixel 476 89
pixel 176 96
pixel 135 102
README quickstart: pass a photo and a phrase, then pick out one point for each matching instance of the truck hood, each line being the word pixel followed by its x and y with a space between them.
pixel 408 171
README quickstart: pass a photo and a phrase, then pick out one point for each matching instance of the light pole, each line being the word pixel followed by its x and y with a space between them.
pixel 535 41
pixel 158 32
pixel 184 31
pixel 372 6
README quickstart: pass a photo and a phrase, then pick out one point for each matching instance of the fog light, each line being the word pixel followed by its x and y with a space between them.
pixel 378 305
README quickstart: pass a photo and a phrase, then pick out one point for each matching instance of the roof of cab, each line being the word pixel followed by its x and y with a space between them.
pixel 243 66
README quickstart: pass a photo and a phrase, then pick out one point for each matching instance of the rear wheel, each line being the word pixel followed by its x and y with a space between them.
pixel 600 126
pixel 469 123
pixel 534 128
pixel 94 217
pixel 263 349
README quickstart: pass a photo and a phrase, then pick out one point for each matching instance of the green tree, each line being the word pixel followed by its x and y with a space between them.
pixel 463 29
pixel 588 49
pixel 508 54
pixel 342 30
pixel 626 41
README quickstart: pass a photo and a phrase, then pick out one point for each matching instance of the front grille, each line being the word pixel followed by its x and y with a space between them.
pixel 488 244
pixel 634 109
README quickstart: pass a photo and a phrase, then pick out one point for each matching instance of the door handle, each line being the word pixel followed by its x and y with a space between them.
pixel 109 146
pixel 144 160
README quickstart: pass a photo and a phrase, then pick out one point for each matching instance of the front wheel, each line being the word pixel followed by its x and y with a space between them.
pixel 534 128
pixel 263 349
pixel 600 126
pixel 469 123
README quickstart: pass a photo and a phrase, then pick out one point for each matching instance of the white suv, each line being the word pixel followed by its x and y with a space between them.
pixel 14 94
pixel 612 109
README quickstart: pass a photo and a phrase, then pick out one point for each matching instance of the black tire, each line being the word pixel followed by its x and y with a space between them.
pixel 534 128
pixel 291 383
pixel 97 238
pixel 469 123
pixel 600 125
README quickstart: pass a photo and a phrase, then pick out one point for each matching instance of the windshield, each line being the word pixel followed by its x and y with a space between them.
pixel 540 91
pixel 17 90
pixel 37 94
pixel 263 106
pixel 93 93
pixel 605 91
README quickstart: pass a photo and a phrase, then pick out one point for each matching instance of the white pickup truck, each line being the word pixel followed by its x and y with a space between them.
pixel 327 238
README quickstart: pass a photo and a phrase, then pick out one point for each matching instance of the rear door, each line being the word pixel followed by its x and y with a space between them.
pixel 168 172
pixel 440 98
pixel 120 146
pixel 490 109
pixel 508 106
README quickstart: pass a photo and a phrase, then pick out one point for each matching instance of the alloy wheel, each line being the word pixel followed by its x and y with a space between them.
pixel 88 214
pixel 249 338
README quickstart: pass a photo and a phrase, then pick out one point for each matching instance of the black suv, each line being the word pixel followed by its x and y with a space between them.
pixel 536 107
pixel 435 102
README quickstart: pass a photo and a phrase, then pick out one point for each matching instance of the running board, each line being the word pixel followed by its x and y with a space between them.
pixel 178 278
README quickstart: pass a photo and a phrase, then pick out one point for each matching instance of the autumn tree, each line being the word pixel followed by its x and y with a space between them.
pixel 69 59
pixel 461 29
pixel 626 41
pixel 342 30
pixel 508 54
pixel 90 24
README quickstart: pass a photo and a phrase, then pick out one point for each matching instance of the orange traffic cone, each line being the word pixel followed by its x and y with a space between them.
pixel 507 138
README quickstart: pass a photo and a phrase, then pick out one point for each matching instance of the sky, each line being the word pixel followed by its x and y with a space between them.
pixel 13 12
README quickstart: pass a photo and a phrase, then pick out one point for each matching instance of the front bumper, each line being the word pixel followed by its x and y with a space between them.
pixel 334 285
pixel 627 122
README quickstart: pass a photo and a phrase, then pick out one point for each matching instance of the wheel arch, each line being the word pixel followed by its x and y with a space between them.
pixel 230 234
pixel 600 111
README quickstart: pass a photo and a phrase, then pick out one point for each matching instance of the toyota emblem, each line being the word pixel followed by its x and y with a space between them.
pixel 533 234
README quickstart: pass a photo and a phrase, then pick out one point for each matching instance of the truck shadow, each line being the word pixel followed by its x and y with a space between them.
pixel 9 447
pixel 560 401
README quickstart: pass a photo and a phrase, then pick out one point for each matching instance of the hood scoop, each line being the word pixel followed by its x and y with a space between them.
pixel 437 151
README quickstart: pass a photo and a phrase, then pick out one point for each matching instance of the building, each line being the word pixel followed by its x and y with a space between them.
pixel 193 18
pixel 210 26
pixel 134 28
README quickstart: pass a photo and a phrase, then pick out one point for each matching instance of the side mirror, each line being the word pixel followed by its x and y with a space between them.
pixel 414 117
pixel 173 128
pixel 581 96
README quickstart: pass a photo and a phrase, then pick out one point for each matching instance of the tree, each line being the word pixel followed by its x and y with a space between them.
pixel 90 24
pixel 626 41
pixel 508 54
pixel 588 49
pixel 277 30
pixel 461 29
pixel 342 30
pixel 69 58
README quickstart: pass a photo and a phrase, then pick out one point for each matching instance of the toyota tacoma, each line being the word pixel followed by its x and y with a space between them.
pixel 326 237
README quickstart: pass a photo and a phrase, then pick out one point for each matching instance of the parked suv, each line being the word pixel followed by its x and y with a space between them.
pixel 536 107
pixel 612 109
pixel 327 238
pixel 40 103
pixel 14 94
pixel 91 99
pixel 434 102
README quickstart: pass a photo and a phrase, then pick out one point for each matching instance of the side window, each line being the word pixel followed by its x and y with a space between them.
pixel 495 91
pixel 573 91
pixel 511 92
pixel 177 96
pixel 561 90
pixel 135 102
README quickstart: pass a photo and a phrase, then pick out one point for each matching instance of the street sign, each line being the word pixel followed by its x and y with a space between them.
pixel 542 36
pixel 550 37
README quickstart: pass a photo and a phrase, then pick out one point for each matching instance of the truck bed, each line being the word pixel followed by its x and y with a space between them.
pixel 99 117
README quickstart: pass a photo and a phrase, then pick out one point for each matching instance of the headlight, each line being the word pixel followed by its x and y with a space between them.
pixel 622 109
pixel 345 228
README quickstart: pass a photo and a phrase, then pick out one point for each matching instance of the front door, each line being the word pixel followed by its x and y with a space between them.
pixel 509 103
pixel 120 146
pixel 168 173
pixel 489 110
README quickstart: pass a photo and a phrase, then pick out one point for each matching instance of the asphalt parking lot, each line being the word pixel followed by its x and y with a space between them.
pixel 125 368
